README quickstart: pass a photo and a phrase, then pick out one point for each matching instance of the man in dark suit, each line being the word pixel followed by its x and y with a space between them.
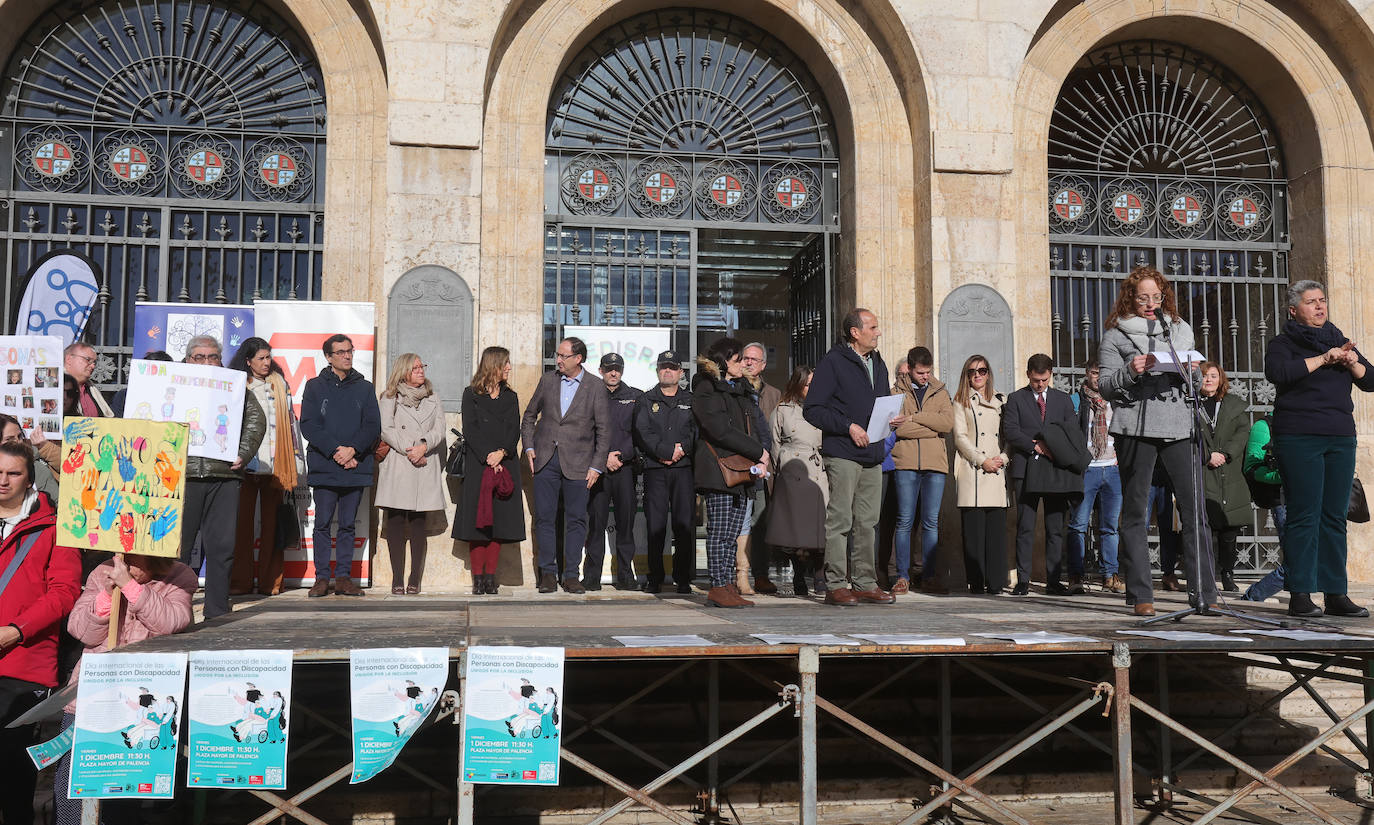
pixel 1025 417
pixel 566 432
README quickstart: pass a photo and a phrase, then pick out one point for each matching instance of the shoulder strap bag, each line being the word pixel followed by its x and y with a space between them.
pixel 734 469
pixel 25 545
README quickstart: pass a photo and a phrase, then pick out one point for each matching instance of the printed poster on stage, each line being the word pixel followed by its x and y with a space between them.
pixel 168 327
pixel 394 690
pixel 297 330
pixel 122 485
pixel 32 391
pixel 208 400
pixel 128 715
pixel 238 704
pixel 513 715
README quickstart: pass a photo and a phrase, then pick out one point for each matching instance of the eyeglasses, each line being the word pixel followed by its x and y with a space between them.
pixel 213 358
pixel 563 356
pixel 348 351
pixel 749 359
pixel 972 371
pixel 1143 300
pixel 419 367
pixel 88 359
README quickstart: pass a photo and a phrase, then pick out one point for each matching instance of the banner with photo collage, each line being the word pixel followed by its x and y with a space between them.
pixel 32 391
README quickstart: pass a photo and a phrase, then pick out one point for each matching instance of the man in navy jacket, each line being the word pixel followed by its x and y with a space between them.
pixel 839 403
pixel 341 422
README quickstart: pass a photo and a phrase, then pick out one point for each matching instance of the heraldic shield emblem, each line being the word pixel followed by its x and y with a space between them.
pixel 1068 204
pixel 53 159
pixel 594 184
pixel 277 170
pixel 1186 210
pixel 1244 213
pixel 1128 207
pixel 660 187
pixel 791 193
pixel 205 166
pixel 129 163
pixel 726 190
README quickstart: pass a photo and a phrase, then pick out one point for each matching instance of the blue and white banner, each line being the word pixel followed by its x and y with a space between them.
pixel 394 690
pixel 169 327
pixel 513 715
pixel 46 753
pixel 238 708
pixel 57 301
pixel 128 715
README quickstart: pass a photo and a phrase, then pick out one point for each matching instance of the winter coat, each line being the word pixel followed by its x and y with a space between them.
pixel 978 437
pixel 662 422
pixel 42 592
pixel 842 394
pixel 1312 402
pixel 1228 496
pixel 921 443
pixel 337 413
pixel 724 416
pixel 796 511
pixel 622 403
pixel 1257 459
pixel 400 484
pixel 251 431
pixel 1063 474
pixel 490 424
pixel 1148 405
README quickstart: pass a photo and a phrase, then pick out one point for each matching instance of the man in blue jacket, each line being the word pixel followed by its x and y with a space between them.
pixel 839 403
pixel 341 422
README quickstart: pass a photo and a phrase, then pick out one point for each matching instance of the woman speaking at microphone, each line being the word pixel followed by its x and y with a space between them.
pixel 1313 366
pixel 1151 417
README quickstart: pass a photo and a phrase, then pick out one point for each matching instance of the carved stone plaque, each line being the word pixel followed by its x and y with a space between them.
pixel 429 313
pixel 976 319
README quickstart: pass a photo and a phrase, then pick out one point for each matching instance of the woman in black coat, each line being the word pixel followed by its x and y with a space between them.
pixel 491 428
pixel 724 411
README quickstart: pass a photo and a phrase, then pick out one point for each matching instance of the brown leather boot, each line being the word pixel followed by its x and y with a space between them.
pixel 319 588
pixel 724 597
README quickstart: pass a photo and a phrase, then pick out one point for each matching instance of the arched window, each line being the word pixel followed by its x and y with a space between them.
pixel 179 144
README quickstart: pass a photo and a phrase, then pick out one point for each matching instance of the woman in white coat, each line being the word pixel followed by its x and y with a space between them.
pixel 800 491
pixel 980 477
pixel 410 479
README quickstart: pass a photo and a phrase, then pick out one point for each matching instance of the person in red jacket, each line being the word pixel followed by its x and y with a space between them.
pixel 34 599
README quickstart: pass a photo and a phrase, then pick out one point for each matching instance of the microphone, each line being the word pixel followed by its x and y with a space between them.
pixel 1164 324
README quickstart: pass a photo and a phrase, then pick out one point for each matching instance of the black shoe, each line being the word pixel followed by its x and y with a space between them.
pixel 651 586
pixel 1300 604
pixel 994 591
pixel 1339 604
pixel 799 587
pixel 574 586
pixel 626 582
pixel 1228 583
pixel 491 584
pixel 591 586
pixel 1021 589
pixel 684 588
pixel 547 583
pixel 1057 589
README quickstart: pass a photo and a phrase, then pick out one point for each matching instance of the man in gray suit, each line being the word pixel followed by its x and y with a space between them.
pixel 566 430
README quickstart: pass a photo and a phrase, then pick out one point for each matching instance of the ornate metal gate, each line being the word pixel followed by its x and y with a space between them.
pixel 178 143
pixel 668 123
pixel 1159 155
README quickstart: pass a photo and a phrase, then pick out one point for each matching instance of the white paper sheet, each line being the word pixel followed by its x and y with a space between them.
pixel 1299 635
pixel 1038 637
pixel 910 639
pixel 689 640
pixel 804 639
pixel 884 410
pixel 1164 361
pixel 1181 635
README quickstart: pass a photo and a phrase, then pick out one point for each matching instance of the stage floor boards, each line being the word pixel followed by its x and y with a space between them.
pixel 325 629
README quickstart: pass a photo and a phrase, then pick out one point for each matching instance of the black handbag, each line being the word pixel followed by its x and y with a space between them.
pixel 1358 511
pixel 455 463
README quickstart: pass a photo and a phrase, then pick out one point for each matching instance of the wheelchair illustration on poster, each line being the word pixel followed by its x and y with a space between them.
pixel 537 714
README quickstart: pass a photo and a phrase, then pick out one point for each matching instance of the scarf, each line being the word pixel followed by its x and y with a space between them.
pixel 412 396
pixel 1148 335
pixel 1317 339
pixel 284 453
pixel 494 485
pixel 1099 404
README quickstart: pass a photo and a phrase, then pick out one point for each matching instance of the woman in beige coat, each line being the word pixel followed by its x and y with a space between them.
pixel 410 480
pixel 980 477
pixel 800 490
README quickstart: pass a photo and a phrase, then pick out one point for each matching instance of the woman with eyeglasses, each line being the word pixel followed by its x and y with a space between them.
pixel 410 481
pixel 980 477
pixel 1152 417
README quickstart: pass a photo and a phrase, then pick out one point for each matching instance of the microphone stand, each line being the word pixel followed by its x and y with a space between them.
pixel 1201 608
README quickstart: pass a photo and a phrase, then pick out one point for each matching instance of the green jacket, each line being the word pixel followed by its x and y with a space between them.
pixel 1228 496
pixel 1256 464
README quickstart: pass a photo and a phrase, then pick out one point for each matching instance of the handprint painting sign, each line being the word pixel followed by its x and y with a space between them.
pixel 169 326
pixel 123 485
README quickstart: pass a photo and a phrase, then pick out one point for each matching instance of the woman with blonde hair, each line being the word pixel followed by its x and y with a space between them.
pixel 980 476
pixel 410 476
pixel 490 510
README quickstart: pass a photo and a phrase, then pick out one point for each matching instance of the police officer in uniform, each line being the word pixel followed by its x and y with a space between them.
pixel 666 433
pixel 616 486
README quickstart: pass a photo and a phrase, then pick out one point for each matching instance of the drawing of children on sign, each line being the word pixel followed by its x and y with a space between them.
pixel 144 410
pixel 193 421
pixel 222 427
pixel 169 405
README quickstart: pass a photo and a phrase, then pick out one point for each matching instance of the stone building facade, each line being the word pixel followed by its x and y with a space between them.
pixel 948 161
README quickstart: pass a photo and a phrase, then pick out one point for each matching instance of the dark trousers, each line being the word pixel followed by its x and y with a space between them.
pixel 549 486
pixel 1317 471
pixel 1224 543
pixel 1057 507
pixel 1136 457
pixel 329 502
pixel 16 697
pixel 985 547
pixel 258 492
pixel 671 489
pixel 212 512
pixel 885 531
pixel 397 525
pixel 617 489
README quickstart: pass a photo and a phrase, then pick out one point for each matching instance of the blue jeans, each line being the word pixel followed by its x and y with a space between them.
pixel 923 488
pixel 343 502
pixel 1272 583
pixel 1103 482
